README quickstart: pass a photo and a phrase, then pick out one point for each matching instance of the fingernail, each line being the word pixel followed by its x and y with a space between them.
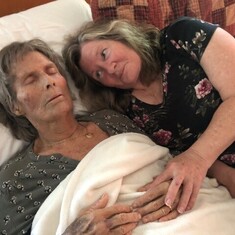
pixel 161 220
pixel 188 208
pixel 168 203
pixel 169 207
pixel 180 210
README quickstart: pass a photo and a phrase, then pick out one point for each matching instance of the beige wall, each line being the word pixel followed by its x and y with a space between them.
pixel 12 6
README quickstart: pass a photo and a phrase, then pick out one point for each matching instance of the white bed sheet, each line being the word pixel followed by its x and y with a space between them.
pixel 129 161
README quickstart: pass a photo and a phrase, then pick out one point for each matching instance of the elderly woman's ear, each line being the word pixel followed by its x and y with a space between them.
pixel 17 111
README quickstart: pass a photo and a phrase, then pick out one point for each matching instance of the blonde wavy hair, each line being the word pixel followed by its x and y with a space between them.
pixel 143 38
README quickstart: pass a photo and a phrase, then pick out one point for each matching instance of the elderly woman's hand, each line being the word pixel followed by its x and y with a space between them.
pixel 98 219
pixel 152 205
pixel 186 172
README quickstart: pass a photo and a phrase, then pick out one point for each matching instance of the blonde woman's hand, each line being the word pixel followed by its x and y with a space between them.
pixel 186 172
pixel 151 205
pixel 99 219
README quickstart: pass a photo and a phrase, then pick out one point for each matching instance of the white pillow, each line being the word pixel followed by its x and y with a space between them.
pixel 51 22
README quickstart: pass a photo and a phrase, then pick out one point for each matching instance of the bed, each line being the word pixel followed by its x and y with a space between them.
pixel 52 22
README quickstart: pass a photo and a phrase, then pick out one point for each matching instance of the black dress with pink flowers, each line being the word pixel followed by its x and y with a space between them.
pixel 190 100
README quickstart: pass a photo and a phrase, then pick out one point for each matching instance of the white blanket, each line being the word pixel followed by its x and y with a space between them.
pixel 119 165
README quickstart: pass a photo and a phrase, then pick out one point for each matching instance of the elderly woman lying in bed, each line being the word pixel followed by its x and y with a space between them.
pixel 36 105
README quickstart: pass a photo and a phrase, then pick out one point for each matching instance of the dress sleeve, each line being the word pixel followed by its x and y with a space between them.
pixel 188 36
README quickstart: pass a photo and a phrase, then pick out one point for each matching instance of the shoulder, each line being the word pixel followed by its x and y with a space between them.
pixel 187 36
pixel 111 122
pixel 185 27
pixel 186 22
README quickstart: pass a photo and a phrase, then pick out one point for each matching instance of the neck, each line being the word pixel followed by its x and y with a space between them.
pixel 152 94
pixel 56 132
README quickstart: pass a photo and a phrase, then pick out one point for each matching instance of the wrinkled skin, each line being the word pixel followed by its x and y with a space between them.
pixel 186 172
pixel 152 205
pixel 122 219
pixel 97 219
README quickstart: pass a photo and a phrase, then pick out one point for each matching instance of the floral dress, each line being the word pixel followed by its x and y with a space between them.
pixel 190 100
pixel 27 179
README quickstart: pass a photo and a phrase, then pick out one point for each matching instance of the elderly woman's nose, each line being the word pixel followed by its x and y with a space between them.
pixel 50 85
pixel 49 82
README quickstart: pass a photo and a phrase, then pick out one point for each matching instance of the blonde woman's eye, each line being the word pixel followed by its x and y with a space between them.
pixel 103 53
pixel 98 74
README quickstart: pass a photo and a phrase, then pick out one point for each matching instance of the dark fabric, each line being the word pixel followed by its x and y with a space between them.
pixel 189 98
pixel 27 179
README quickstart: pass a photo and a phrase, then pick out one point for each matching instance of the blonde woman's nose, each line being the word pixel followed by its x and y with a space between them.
pixel 111 68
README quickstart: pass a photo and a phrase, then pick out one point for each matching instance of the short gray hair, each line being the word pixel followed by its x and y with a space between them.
pixel 20 127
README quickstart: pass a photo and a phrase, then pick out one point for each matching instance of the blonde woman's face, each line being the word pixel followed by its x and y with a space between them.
pixel 111 63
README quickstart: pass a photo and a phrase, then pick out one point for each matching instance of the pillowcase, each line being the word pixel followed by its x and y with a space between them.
pixel 161 13
pixel 50 22
pixel 8 145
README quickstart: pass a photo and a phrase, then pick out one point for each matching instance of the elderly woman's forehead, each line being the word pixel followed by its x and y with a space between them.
pixel 32 57
pixel 17 67
pixel 19 57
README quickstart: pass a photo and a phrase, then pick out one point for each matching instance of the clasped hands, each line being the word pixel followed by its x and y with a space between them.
pixel 120 218
pixel 172 192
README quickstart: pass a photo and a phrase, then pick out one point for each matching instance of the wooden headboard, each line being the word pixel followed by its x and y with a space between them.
pixel 13 6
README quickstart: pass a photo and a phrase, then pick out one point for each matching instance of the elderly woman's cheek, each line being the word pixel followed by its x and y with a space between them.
pixel 27 100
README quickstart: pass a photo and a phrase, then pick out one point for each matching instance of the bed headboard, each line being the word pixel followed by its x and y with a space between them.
pixel 14 6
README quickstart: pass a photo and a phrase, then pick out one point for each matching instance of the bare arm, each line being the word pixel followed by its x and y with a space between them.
pixel 218 62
